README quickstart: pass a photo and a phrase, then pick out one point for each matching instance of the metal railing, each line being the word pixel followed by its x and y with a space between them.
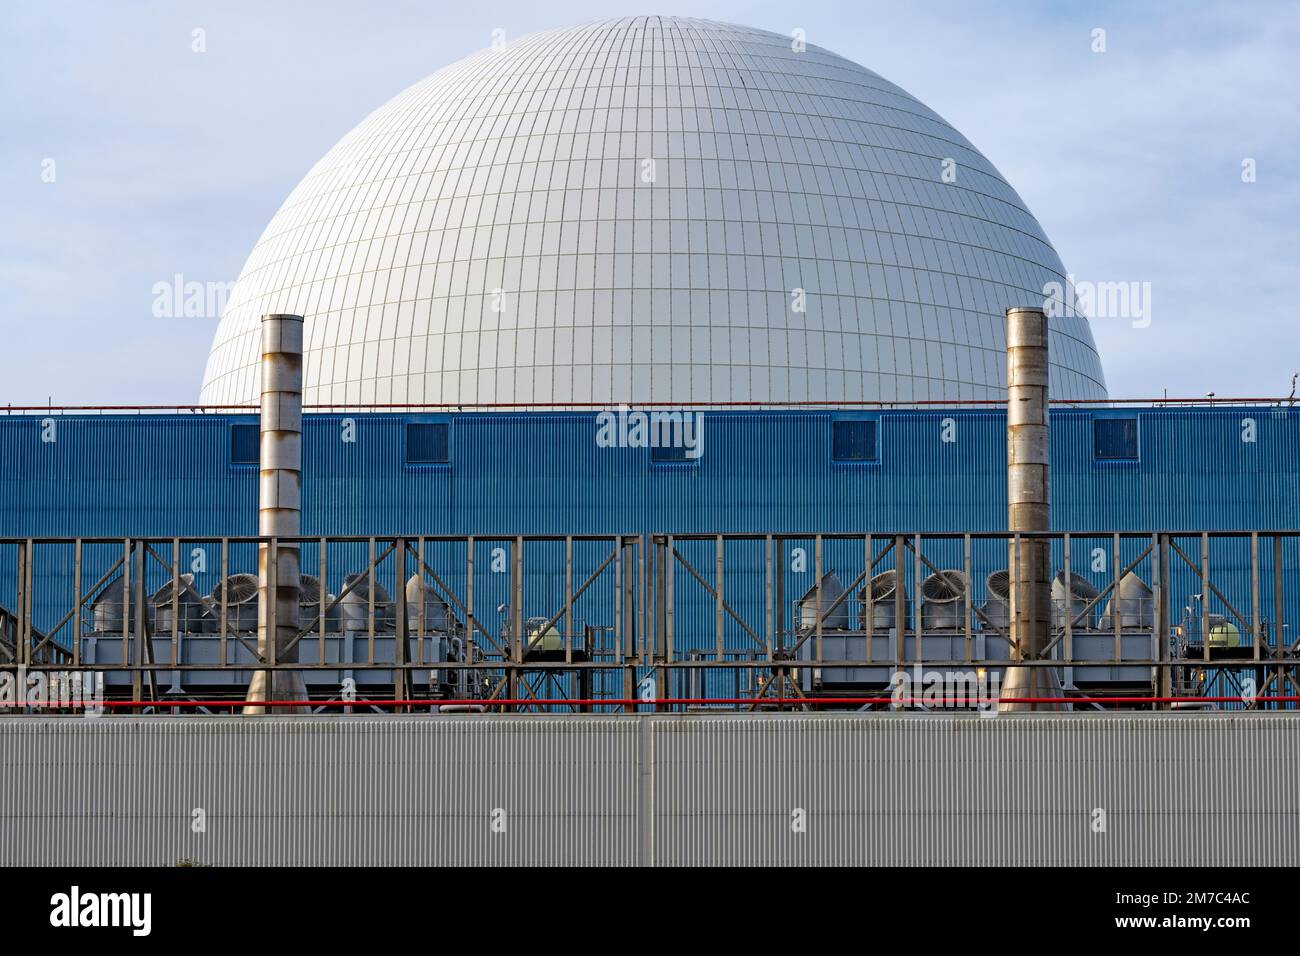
pixel 598 622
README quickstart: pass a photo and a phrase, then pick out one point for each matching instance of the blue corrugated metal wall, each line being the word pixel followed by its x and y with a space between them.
pixel 543 473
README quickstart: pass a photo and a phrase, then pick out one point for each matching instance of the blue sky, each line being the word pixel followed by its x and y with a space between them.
pixel 168 161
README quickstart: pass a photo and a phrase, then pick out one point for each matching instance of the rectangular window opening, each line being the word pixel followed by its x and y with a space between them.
pixel 1115 439
pixel 853 440
pixel 427 443
pixel 245 444
pixel 671 453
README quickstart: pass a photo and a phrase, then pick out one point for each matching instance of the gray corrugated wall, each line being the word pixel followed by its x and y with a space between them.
pixel 940 790
pixel 1177 789
pixel 329 791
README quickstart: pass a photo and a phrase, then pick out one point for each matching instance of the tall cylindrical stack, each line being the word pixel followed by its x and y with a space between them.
pixel 279 511
pixel 1028 505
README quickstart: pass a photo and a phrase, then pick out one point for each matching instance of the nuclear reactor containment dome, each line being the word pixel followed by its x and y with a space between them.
pixel 650 209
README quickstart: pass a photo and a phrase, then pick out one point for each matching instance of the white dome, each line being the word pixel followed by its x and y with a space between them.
pixel 524 170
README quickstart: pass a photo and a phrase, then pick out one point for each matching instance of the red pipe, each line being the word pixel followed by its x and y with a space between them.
pixel 632 701
pixel 825 403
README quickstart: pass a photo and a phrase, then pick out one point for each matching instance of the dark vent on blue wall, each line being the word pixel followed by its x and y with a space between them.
pixel 245 444
pixel 669 453
pixel 427 444
pixel 853 440
pixel 1115 439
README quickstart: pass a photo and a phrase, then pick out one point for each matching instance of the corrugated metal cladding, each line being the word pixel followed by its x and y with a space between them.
pixel 538 473
pixel 1154 789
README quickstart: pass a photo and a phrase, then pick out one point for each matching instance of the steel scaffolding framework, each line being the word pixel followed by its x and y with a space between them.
pixel 663 622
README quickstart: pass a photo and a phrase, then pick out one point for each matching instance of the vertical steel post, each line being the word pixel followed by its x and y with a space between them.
pixel 176 600
pixel 323 598
pixel 568 599
pixel 29 605
pixel 22 599
pixel 126 602
pixel 870 612
pixel 778 595
pixel 401 649
pixel 918 577
pixel 966 612
pixel 900 605
pixel 1162 620
pixel 626 579
pixel 670 602
pixel 1117 565
pixel 418 584
pixel 77 608
pixel 142 636
pixel 618 600
pixel 1069 615
pixel 817 560
pixel 1279 633
pixel 370 606
pixel 767 595
pixel 520 639
pixel 225 598
pixel 1205 597
pixel 720 649
pixel 470 639
pixel 642 599
pixel 1254 593
pixel 273 610
pixel 659 576
pixel 517 599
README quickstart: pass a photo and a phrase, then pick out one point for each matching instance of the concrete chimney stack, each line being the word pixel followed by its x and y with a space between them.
pixel 279 512
pixel 1029 495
